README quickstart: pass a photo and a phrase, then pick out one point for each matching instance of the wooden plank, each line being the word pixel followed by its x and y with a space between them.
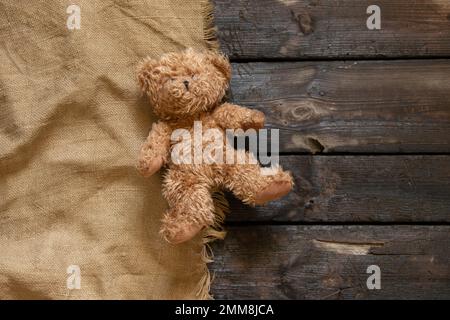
pixel 330 262
pixel 255 29
pixel 356 106
pixel 358 189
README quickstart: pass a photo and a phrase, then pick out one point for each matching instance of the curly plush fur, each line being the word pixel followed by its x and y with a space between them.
pixel 182 88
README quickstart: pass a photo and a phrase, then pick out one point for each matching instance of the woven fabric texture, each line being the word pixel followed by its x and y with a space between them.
pixel 71 124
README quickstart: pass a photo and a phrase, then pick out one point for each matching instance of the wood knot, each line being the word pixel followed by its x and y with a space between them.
pixel 314 145
pixel 304 22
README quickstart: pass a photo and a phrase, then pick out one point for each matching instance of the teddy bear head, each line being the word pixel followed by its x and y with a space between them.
pixel 184 84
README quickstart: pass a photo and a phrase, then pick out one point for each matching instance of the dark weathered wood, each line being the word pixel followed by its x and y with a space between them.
pixel 330 262
pixel 359 189
pixel 332 29
pixel 370 107
pixel 355 106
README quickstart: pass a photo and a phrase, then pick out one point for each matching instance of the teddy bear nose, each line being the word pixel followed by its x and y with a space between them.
pixel 186 84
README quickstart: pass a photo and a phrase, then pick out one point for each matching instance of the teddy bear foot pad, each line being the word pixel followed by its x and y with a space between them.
pixel 275 190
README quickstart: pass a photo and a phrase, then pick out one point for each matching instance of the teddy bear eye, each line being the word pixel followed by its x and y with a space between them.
pixel 194 77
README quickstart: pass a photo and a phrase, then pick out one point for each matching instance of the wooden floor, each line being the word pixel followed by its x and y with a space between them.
pixel 364 119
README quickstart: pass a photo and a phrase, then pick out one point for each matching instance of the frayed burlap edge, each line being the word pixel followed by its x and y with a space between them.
pixel 211 234
pixel 209 28
pixel 215 231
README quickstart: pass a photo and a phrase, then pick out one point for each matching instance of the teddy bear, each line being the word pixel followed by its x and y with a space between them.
pixel 189 87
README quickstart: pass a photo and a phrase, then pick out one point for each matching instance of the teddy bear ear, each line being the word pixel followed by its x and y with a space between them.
pixel 220 62
pixel 144 73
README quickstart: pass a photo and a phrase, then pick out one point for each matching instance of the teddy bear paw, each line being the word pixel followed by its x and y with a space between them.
pixel 256 121
pixel 183 234
pixel 276 189
pixel 259 119
pixel 148 168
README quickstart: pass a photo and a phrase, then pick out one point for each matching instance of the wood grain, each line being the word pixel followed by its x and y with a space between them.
pixel 358 189
pixel 355 106
pixel 330 262
pixel 380 129
pixel 256 29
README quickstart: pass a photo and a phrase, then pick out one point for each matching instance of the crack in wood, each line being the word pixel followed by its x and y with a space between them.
pixel 314 145
pixel 349 248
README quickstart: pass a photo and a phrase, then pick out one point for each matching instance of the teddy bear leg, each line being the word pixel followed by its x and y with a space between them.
pixel 177 227
pixel 191 208
pixel 255 185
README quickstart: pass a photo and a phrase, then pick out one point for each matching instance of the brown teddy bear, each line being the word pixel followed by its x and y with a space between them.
pixel 182 88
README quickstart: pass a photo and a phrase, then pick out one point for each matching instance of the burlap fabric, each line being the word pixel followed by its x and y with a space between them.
pixel 71 124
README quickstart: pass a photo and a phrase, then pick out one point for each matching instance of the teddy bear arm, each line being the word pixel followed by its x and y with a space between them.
pixel 231 116
pixel 155 150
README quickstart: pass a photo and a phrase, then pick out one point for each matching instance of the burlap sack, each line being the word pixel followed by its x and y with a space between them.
pixel 71 124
